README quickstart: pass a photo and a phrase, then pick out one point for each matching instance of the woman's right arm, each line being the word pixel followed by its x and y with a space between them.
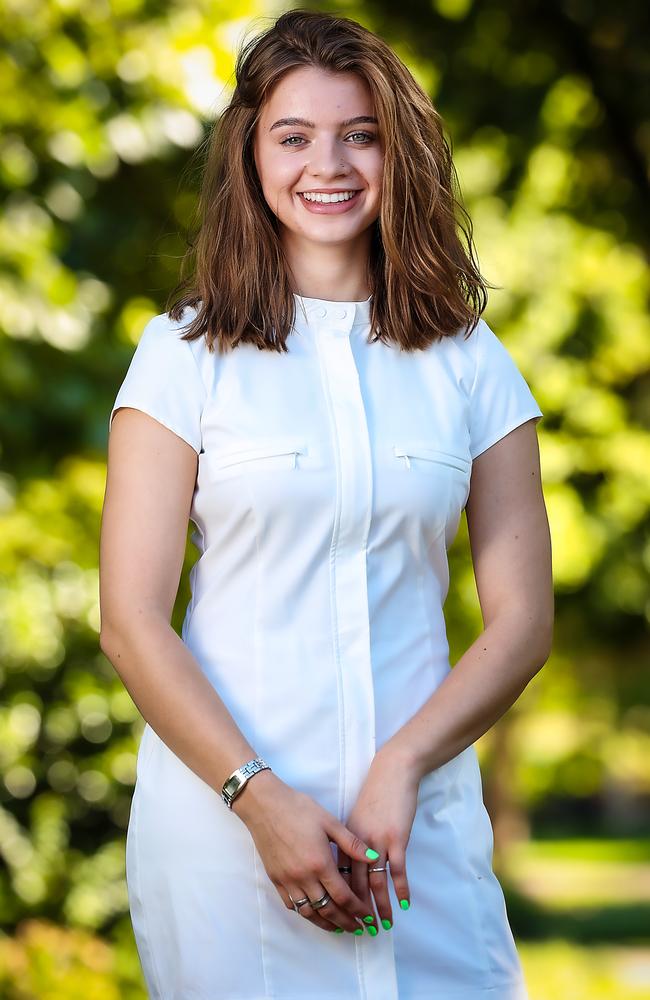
pixel 150 482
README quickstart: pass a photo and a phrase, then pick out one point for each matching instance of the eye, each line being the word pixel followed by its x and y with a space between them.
pixel 368 138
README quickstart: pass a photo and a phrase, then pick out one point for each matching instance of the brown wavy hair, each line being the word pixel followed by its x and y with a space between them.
pixel 424 284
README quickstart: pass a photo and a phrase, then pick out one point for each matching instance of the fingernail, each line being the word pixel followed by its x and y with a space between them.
pixel 404 903
pixel 338 930
pixel 358 931
pixel 373 855
pixel 373 932
pixel 369 919
pixel 386 924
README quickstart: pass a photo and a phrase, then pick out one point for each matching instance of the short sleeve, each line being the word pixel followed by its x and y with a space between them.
pixel 500 398
pixel 164 380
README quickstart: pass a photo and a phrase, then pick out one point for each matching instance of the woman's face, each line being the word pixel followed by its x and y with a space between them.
pixel 320 153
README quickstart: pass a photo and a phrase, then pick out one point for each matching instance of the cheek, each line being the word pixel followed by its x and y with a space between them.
pixel 378 172
pixel 375 163
pixel 281 179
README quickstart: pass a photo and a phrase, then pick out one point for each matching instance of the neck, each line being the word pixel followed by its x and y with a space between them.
pixel 338 273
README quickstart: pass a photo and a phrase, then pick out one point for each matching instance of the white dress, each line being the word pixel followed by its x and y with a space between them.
pixel 330 482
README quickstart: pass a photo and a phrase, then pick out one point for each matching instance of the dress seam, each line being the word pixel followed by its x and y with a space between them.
pixel 252 736
pixel 423 554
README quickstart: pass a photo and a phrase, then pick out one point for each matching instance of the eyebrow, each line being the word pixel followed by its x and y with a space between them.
pixel 360 119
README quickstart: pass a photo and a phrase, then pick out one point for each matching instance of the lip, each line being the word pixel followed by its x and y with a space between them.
pixel 333 208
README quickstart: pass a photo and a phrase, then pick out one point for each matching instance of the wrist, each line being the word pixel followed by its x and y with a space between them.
pixel 402 756
pixel 252 800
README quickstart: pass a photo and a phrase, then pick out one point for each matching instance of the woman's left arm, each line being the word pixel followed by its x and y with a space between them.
pixel 511 552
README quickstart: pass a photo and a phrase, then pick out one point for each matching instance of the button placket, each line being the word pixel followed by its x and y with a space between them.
pixel 349 574
pixel 350 611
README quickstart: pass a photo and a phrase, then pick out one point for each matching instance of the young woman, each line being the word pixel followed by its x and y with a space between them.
pixel 322 402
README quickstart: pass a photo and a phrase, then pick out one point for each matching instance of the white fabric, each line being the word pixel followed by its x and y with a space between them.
pixel 331 480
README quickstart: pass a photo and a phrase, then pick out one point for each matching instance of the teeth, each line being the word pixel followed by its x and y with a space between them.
pixel 328 199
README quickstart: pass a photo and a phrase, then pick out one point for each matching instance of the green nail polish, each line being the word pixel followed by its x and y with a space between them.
pixel 371 854
pixel 358 931
pixel 373 932
pixel 404 903
pixel 369 919
pixel 338 930
pixel 386 924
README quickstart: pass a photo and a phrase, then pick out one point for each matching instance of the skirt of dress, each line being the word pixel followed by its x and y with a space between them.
pixel 210 925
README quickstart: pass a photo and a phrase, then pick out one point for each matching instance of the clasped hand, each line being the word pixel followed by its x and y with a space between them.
pixel 293 834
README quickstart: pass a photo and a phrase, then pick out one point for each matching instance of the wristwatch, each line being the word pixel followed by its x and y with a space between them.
pixel 233 785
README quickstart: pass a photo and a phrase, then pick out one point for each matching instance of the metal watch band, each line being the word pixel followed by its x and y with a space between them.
pixel 233 785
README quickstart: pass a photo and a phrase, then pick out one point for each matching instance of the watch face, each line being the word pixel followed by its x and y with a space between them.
pixel 231 787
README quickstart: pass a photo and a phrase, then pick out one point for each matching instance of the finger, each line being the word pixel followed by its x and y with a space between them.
pixel 360 886
pixel 378 882
pixel 306 911
pixel 330 915
pixel 344 861
pixel 356 848
pixel 346 911
pixel 397 867
pixel 357 906
pixel 349 903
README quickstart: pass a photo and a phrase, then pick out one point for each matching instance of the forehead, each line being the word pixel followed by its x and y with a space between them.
pixel 320 95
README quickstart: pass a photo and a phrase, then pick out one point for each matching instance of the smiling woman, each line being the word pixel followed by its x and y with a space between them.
pixel 307 767
pixel 324 106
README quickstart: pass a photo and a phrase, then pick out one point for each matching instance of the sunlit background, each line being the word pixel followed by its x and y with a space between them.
pixel 103 104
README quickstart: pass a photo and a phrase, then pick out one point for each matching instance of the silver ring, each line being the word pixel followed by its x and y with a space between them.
pixel 298 902
pixel 376 869
pixel 323 901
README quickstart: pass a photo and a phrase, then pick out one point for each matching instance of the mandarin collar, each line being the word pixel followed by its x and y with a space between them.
pixel 328 314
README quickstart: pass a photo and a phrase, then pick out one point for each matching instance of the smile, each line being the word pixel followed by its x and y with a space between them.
pixel 329 204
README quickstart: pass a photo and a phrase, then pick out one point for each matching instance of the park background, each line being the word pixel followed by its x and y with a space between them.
pixel 104 105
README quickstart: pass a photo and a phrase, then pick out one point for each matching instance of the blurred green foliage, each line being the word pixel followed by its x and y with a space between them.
pixel 102 106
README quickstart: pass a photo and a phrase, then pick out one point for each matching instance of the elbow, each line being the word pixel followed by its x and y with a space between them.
pixel 115 644
pixel 538 635
pixel 107 641
pixel 529 633
pixel 539 641
pixel 127 630
pixel 112 638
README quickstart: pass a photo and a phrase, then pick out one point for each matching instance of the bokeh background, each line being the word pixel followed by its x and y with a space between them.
pixel 104 105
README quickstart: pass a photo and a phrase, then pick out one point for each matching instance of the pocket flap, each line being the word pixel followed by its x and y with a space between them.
pixel 245 451
pixel 424 450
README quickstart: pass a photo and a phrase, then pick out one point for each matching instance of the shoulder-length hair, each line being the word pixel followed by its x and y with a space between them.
pixel 424 284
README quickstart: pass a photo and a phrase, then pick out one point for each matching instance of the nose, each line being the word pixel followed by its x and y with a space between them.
pixel 328 158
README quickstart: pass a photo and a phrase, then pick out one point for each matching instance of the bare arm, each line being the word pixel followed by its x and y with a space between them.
pixel 511 551
pixel 150 480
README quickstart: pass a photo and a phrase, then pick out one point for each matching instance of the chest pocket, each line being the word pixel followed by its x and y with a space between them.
pixel 427 458
pixel 434 484
pixel 272 455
